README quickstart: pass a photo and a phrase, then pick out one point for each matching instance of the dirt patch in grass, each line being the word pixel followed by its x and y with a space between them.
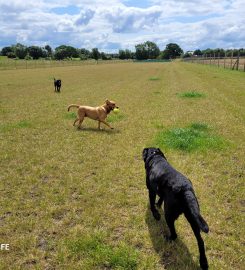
pixel 197 136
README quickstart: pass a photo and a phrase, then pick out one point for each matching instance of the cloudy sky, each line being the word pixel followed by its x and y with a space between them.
pixel 113 24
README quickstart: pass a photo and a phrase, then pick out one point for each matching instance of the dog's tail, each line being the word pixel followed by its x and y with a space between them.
pixel 193 207
pixel 73 105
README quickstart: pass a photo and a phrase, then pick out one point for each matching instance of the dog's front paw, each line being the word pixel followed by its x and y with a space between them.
pixel 156 215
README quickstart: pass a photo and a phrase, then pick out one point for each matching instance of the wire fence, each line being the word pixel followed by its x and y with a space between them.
pixel 9 64
pixel 230 62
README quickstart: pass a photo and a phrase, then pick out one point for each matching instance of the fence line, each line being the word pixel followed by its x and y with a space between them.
pixel 31 64
pixel 231 62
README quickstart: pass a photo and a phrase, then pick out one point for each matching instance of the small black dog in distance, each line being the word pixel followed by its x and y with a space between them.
pixel 57 85
pixel 178 195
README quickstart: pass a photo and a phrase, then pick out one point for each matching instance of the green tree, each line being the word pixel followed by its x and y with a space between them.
pixel 122 54
pixel 153 50
pixel 141 52
pixel 172 50
pixel 197 52
pixel 147 50
pixel 85 52
pixel 49 50
pixel 11 55
pixel 95 54
pixel 20 50
pixel 242 52
pixel 128 54
pixel 35 52
pixel 208 51
pixel 187 55
pixel 6 50
pixel 105 56
pixel 60 54
pixel 219 52
pixel 64 51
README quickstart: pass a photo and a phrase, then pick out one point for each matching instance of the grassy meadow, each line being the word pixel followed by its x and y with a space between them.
pixel 76 199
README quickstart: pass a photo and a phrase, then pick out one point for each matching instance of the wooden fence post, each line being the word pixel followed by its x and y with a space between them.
pixel 238 56
pixel 231 59
pixel 224 59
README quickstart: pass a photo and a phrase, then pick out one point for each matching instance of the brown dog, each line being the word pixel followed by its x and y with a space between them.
pixel 96 113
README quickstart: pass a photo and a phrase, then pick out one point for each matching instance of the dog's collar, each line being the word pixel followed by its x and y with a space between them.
pixel 105 106
pixel 108 110
pixel 150 158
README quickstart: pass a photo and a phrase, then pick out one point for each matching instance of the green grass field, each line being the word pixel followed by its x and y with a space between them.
pixel 76 199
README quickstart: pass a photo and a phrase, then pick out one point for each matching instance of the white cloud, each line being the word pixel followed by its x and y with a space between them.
pixel 111 24
pixel 84 17
pixel 133 19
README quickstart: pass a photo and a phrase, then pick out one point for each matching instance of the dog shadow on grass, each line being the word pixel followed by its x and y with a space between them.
pixel 173 254
pixel 93 129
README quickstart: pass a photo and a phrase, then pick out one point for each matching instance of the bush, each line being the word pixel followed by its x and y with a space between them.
pixel 11 55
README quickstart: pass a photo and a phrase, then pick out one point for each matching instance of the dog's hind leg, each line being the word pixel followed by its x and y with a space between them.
pixel 203 259
pixel 170 222
pixel 80 123
pixel 81 115
pixel 75 121
pixel 160 201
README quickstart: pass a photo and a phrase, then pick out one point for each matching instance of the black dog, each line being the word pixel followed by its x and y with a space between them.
pixel 178 195
pixel 57 85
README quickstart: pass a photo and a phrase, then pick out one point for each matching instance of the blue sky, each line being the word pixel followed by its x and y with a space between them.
pixel 121 24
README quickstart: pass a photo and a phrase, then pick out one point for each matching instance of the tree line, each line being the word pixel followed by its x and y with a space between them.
pixel 143 51
pixel 218 52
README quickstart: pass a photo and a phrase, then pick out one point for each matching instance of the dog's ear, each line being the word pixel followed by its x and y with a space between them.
pixel 159 150
pixel 107 101
pixel 144 153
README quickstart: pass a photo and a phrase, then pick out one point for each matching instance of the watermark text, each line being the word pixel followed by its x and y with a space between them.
pixel 4 246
